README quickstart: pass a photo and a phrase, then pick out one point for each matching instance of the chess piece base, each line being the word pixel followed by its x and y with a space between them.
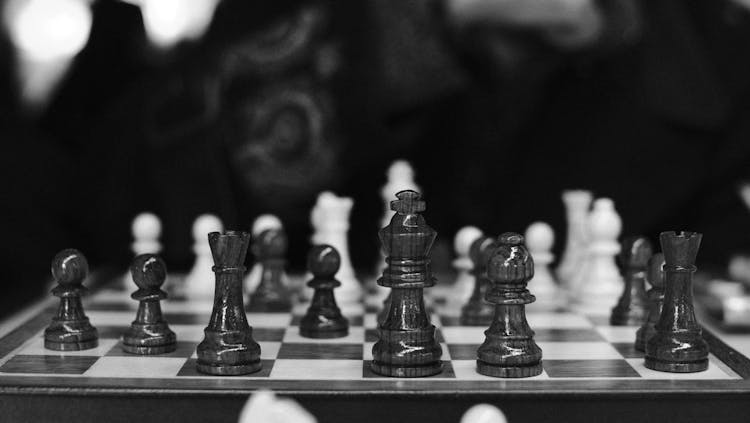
pixel 676 367
pixel 230 370
pixel 493 370
pixel 70 346
pixel 149 350
pixel 391 370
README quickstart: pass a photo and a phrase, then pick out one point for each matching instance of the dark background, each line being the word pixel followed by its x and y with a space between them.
pixel 496 121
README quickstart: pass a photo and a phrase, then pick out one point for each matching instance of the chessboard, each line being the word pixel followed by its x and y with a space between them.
pixel 585 359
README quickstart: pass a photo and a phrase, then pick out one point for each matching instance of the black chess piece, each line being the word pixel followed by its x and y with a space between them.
pixel 70 329
pixel 228 347
pixel 655 277
pixel 632 307
pixel 406 345
pixel 477 311
pixel 271 295
pixel 509 350
pixel 677 345
pixel 149 333
pixel 323 318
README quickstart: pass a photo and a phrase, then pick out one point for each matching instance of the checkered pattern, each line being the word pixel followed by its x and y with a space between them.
pixel 573 346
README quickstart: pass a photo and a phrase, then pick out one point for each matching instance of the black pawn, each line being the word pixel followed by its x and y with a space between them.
pixel 477 311
pixel 70 329
pixel 632 307
pixel 271 295
pixel 656 298
pixel 228 347
pixel 509 349
pixel 323 318
pixel 677 345
pixel 149 333
pixel 406 345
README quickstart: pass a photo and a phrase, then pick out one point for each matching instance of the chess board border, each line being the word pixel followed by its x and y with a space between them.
pixel 47 384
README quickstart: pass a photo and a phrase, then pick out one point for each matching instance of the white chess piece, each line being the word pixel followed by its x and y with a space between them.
pixel 146 230
pixel 400 177
pixel 199 283
pixel 264 407
pixel 540 237
pixel 577 205
pixel 260 224
pixel 601 283
pixel 330 220
pixel 464 285
pixel 483 413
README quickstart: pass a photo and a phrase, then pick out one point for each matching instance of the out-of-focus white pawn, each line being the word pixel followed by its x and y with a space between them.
pixel 261 223
pixel 483 413
pixel 330 221
pixel 539 240
pixel 464 285
pixel 601 284
pixel 577 205
pixel 199 283
pixel 265 407
pixel 146 230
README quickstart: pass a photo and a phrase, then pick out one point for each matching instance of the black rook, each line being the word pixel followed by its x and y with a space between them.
pixel 228 347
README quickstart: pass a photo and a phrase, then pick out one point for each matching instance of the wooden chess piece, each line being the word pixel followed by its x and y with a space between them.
pixel 406 345
pixel 509 350
pixel 323 318
pixel 228 347
pixel 632 307
pixel 677 345
pixel 656 297
pixel 149 333
pixel 271 295
pixel 478 312
pixel 70 329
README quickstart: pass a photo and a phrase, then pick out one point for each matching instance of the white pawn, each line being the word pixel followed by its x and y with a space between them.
pixel 199 283
pixel 601 283
pixel 330 221
pixel 261 223
pixel 400 176
pixel 577 205
pixel 464 285
pixel 539 240
pixel 483 413
pixel 146 230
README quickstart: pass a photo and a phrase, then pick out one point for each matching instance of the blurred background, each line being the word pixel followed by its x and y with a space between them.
pixel 182 107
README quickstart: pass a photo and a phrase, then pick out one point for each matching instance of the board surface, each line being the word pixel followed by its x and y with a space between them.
pixel 583 357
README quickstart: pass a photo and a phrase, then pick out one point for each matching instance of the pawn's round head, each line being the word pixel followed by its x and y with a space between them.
pixel 539 237
pixel 205 224
pixel 149 271
pixel 271 243
pixel 635 252
pixel 464 238
pixel 656 271
pixel 323 261
pixel 69 267
pixel 146 226
pixel 265 221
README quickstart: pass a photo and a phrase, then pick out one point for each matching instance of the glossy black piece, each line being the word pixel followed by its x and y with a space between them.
pixel 406 345
pixel 632 307
pixel 70 329
pixel 678 345
pixel 149 333
pixel 271 295
pixel 228 347
pixel 509 350
pixel 323 318
pixel 477 311
pixel 655 277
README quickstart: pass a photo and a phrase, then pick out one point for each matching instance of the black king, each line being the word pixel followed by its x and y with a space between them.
pixel 407 346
